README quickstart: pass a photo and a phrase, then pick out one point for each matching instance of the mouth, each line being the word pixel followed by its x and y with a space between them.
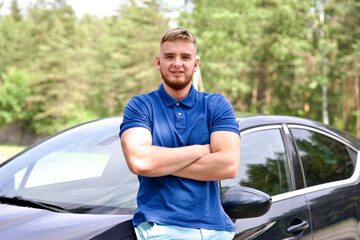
pixel 177 73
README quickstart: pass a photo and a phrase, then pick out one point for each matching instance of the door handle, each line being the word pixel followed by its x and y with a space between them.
pixel 298 227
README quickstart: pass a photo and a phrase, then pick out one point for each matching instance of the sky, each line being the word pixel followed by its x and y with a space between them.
pixel 96 7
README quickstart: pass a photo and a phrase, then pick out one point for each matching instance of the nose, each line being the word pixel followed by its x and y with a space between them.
pixel 177 62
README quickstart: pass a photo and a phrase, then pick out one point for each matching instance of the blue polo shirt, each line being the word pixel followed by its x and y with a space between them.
pixel 173 200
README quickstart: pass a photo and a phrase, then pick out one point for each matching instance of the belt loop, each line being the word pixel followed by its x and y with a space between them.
pixel 202 238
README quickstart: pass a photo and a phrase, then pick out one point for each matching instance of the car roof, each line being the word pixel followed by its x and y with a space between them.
pixel 246 121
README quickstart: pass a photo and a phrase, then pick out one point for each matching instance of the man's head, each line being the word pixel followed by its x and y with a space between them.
pixel 177 60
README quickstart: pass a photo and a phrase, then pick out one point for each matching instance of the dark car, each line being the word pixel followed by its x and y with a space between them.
pixel 76 184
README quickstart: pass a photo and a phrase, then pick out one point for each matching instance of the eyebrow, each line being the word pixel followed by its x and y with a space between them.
pixel 182 54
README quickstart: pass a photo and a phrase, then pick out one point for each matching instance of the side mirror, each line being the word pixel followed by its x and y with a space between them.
pixel 245 202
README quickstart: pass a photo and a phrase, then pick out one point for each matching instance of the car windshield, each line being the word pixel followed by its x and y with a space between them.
pixel 82 170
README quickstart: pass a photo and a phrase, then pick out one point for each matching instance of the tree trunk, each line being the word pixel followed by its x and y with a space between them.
pixel 254 93
pixel 262 92
pixel 357 100
pixel 324 93
pixel 348 103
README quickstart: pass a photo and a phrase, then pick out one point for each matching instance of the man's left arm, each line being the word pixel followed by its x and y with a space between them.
pixel 222 163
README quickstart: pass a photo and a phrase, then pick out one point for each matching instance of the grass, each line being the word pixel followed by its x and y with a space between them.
pixel 10 150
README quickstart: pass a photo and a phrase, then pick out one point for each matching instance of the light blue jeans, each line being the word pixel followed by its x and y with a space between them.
pixel 153 231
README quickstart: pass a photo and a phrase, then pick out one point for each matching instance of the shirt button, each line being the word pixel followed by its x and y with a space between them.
pixel 177 104
pixel 179 114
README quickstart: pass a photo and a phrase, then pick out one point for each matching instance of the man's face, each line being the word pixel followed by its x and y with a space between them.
pixel 177 63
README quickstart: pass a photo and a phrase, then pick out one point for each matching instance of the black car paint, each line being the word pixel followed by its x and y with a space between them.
pixel 338 207
pixel 34 224
pixel 244 202
pixel 281 216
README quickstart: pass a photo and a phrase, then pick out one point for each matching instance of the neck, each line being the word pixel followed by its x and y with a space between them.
pixel 177 94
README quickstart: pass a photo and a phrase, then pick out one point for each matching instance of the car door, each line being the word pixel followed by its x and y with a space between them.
pixel 267 164
pixel 332 183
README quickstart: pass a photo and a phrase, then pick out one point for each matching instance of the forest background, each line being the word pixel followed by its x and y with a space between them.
pixel 288 57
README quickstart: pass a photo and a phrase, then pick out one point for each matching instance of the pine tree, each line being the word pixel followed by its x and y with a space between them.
pixel 55 93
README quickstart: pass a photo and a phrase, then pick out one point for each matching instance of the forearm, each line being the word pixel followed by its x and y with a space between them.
pixel 222 163
pixel 212 167
pixel 153 161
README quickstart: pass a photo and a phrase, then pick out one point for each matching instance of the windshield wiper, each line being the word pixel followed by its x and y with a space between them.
pixel 20 201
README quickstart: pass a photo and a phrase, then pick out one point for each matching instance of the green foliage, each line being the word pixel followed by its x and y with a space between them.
pixel 82 69
pixel 15 11
pixel 14 90
pixel 276 57
pixel 126 53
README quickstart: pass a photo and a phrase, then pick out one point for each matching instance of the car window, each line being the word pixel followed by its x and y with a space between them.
pixel 263 163
pixel 74 160
pixel 323 158
pixel 68 164
pixel 82 169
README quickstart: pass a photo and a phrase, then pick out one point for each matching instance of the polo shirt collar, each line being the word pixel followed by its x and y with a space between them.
pixel 189 100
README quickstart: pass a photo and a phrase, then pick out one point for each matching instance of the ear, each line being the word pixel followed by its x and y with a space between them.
pixel 158 63
pixel 196 65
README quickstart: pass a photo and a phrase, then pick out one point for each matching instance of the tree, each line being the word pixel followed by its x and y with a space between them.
pixel 14 91
pixel 15 11
pixel 127 53
pixel 223 35
pixel 55 98
pixel 343 21
pixel 251 50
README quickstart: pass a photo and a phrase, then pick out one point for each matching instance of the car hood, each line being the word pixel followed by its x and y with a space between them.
pixel 29 223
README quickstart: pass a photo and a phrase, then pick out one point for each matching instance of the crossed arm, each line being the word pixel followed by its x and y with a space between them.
pixel 215 161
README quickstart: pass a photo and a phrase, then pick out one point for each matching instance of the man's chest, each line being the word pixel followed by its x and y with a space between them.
pixel 178 126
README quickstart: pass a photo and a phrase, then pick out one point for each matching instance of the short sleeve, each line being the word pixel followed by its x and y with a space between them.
pixel 136 114
pixel 224 117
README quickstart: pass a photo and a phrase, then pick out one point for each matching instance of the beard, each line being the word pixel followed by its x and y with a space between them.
pixel 175 84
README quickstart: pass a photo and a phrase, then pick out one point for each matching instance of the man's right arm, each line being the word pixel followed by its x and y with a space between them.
pixel 153 161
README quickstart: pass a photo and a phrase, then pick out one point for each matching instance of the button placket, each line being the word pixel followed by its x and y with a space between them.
pixel 180 121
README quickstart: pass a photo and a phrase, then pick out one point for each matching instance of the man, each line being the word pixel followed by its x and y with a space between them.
pixel 180 142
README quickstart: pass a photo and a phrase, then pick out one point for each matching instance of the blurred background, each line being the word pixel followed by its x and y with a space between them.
pixel 61 64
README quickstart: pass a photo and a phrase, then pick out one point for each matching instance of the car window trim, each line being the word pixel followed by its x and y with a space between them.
pixel 291 161
pixel 256 129
pixel 345 182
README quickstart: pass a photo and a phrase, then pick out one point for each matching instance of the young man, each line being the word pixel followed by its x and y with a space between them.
pixel 180 142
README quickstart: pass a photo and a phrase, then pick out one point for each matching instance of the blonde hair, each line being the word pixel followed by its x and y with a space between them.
pixel 178 34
